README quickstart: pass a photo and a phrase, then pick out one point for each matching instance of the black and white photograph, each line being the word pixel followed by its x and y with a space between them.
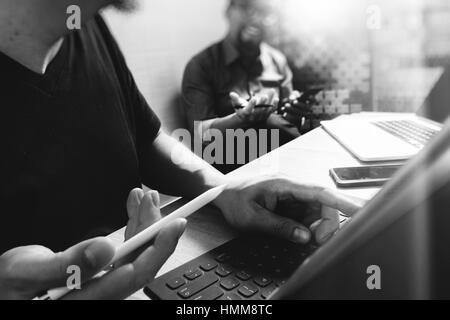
pixel 253 152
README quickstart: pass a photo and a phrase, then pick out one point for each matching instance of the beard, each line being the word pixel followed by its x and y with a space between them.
pixel 125 5
pixel 250 41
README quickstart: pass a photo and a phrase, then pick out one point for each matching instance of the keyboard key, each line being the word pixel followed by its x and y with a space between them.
pixel 267 292
pixel 274 257
pixel 230 284
pixel 224 271
pixel 176 283
pixel 224 257
pixel 260 265
pixel 230 297
pixel 212 293
pixel 291 263
pixel 281 283
pixel 248 290
pixel 195 287
pixel 208 266
pixel 244 275
pixel 240 264
pixel 262 281
pixel 193 274
pixel 410 132
pixel 278 272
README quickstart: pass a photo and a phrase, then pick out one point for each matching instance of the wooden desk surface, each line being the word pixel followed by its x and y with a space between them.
pixel 308 159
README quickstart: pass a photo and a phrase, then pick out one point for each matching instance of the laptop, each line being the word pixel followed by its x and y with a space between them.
pixel 404 236
pixel 394 137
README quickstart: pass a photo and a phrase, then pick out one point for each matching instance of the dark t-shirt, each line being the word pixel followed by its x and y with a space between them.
pixel 72 143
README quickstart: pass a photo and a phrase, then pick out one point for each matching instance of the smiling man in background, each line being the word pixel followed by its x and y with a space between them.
pixel 77 137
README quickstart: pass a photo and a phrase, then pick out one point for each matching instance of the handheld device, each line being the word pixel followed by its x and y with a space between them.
pixel 367 176
pixel 148 234
pixel 307 98
pixel 310 95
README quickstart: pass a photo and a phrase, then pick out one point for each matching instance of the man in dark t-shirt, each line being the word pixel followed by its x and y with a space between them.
pixel 70 137
pixel 76 137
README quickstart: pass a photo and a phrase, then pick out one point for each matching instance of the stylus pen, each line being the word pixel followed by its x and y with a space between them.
pixel 148 234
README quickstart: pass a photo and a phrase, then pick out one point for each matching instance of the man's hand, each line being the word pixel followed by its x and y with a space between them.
pixel 28 272
pixel 286 209
pixel 258 109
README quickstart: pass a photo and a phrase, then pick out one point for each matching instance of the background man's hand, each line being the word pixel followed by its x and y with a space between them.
pixel 28 272
pixel 258 109
pixel 286 209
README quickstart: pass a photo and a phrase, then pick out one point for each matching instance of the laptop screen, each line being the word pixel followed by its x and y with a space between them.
pixel 437 105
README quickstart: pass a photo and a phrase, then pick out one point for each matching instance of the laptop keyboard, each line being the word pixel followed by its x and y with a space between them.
pixel 247 268
pixel 243 269
pixel 409 131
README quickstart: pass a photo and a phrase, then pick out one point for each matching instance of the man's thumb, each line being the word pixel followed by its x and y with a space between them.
pixel 282 227
pixel 90 257
pixel 236 100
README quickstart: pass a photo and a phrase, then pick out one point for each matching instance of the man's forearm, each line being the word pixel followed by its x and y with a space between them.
pixel 229 122
pixel 180 172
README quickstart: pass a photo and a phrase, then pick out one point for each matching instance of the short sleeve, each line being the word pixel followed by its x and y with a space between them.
pixel 148 125
pixel 143 122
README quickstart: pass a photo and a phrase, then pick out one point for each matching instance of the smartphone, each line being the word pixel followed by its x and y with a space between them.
pixel 307 98
pixel 367 176
pixel 310 95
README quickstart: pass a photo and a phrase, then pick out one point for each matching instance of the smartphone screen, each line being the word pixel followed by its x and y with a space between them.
pixel 364 176
pixel 367 173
